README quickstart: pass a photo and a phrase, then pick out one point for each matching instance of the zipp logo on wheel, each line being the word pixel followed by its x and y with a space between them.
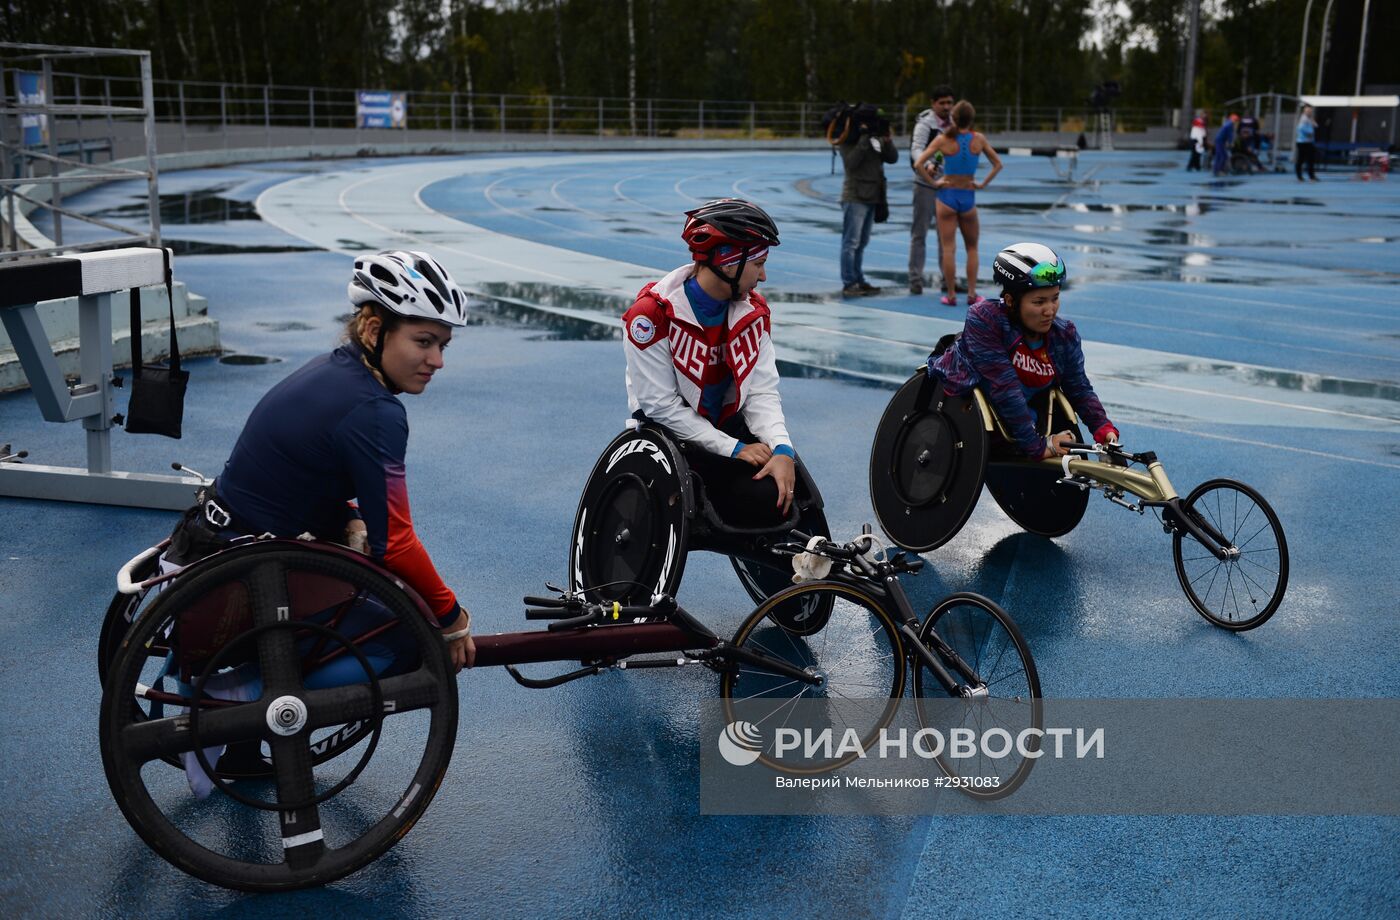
pixel 740 743
pixel 634 446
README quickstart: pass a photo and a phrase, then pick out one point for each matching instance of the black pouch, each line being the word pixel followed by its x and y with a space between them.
pixel 199 532
pixel 882 206
pixel 157 403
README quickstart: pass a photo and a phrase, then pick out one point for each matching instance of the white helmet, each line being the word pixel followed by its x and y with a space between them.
pixel 412 284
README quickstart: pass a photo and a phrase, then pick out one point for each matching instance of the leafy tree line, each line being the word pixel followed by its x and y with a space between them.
pixel 1005 52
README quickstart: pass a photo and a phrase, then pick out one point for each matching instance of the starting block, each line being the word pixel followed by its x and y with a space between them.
pixel 93 278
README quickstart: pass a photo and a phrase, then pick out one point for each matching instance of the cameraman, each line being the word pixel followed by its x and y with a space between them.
pixel 864 151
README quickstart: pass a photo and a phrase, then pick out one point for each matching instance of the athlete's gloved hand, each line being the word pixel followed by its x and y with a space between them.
pixel 357 536
pixel 1054 445
pixel 459 640
pixel 1106 434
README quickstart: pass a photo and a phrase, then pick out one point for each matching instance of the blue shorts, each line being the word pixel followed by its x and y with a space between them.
pixel 961 200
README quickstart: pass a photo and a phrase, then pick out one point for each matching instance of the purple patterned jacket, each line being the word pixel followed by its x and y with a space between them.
pixel 981 356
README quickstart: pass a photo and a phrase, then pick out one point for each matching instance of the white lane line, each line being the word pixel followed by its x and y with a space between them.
pixel 1315 310
pixel 554 193
pixel 682 194
pixel 856 335
pixel 617 190
pixel 1269 444
pixel 557 228
pixel 1084 295
pixel 1133 381
pixel 1238 338
pixel 438 244
pixel 489 194
pixel 1108 375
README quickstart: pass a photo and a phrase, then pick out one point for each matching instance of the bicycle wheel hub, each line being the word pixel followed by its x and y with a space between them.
pixel 286 715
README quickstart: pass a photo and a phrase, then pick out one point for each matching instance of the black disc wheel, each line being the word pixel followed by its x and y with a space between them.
pixel 1243 590
pixel 994 686
pixel 268 646
pixel 803 615
pixel 927 463
pixel 632 525
pixel 849 676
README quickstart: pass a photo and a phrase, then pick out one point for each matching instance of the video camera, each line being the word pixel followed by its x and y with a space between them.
pixel 844 118
pixel 1103 95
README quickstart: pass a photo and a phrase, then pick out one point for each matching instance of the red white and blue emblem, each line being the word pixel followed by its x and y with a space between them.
pixel 642 330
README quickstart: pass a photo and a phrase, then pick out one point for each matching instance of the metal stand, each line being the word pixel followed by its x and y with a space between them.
pixel 92 400
pixel 1103 133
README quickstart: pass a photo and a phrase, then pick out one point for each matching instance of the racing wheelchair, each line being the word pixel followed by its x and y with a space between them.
pixel 217 668
pixel 933 452
pixel 644 509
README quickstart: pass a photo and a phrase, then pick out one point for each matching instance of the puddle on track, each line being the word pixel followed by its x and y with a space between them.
pixel 204 206
pixel 242 359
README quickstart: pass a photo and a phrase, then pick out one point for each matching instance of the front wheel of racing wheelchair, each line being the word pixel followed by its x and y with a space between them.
pixel 236 654
pixel 643 510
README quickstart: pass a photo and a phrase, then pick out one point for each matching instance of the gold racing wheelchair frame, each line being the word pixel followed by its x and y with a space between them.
pixel 1152 486
pixel 933 451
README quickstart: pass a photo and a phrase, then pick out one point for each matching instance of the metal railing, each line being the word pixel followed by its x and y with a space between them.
pixel 23 186
pixel 196 106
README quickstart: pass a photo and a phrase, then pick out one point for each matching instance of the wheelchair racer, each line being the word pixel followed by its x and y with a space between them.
pixel 1017 347
pixel 700 362
pixel 323 453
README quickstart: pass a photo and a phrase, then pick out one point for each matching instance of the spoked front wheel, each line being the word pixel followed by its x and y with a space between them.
pixel 1243 590
pixel 841 684
pixel 285 649
pixel 995 695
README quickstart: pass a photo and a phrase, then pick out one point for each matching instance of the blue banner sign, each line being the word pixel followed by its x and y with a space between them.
pixel 381 109
pixel 34 128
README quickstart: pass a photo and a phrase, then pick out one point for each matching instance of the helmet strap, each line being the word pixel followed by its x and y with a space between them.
pixel 732 280
pixel 376 358
pixel 373 357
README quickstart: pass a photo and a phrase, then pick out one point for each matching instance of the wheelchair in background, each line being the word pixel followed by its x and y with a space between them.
pixel 933 452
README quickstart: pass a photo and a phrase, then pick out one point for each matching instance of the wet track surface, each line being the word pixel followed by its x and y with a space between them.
pixel 1245 328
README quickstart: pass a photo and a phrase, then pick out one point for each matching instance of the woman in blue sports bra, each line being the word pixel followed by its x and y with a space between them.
pixel 956 209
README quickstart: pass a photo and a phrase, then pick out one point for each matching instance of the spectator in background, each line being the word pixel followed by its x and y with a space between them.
pixel 1198 141
pixel 1248 131
pixel 1305 144
pixel 1224 143
pixel 866 149
pixel 931 122
pixel 961 146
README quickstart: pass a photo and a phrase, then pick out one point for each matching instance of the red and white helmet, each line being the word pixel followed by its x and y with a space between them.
pixel 728 230
pixel 413 285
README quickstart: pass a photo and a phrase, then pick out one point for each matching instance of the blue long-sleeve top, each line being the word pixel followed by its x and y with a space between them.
pixel 981 356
